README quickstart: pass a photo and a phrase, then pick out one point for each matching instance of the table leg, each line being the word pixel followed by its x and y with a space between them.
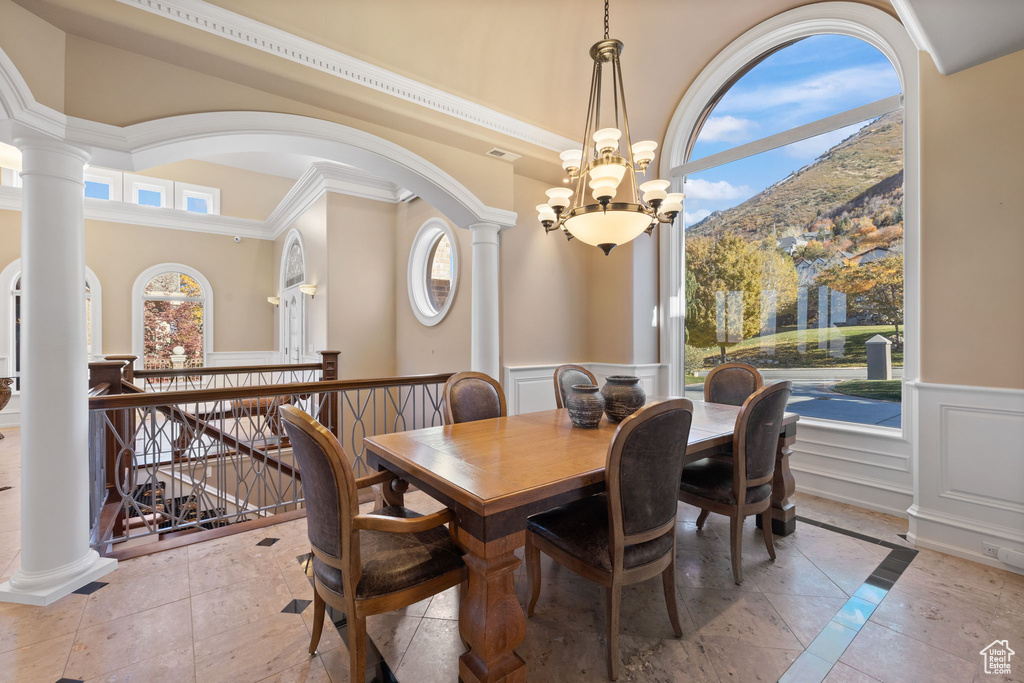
pixel 491 619
pixel 783 486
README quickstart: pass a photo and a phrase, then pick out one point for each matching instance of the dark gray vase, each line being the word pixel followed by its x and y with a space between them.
pixel 585 406
pixel 623 396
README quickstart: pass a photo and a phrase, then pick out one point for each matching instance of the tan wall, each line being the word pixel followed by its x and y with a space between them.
pixel 361 314
pixel 445 347
pixel 244 194
pixel 972 218
pixel 118 253
pixel 37 50
pixel 610 310
pixel 544 289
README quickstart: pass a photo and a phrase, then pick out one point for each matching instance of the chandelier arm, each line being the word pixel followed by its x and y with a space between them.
pixel 617 66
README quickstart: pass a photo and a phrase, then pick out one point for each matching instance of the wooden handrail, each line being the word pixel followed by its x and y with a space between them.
pixel 99 390
pixel 224 370
pixel 231 393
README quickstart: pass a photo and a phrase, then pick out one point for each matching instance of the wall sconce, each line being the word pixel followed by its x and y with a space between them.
pixel 276 300
pixel 308 289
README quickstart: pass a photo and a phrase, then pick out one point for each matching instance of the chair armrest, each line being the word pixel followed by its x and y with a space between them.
pixel 378 478
pixel 399 525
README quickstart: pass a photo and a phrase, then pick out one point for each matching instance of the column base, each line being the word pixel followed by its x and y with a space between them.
pixel 42 592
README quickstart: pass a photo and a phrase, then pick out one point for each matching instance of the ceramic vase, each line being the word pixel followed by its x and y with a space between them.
pixel 623 396
pixel 585 405
pixel 5 393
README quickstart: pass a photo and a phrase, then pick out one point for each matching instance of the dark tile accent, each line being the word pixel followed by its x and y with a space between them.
pixel 903 536
pixel 903 554
pixel 303 559
pixel 296 606
pixel 893 565
pixel 70 680
pixel 90 588
pixel 886 574
pixel 267 542
pixel 879 582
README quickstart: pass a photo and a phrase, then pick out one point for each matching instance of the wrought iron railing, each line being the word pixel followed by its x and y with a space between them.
pixel 179 461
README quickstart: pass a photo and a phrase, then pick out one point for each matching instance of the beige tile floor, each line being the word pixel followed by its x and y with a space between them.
pixel 212 612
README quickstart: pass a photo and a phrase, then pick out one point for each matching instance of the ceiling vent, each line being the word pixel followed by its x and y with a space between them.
pixel 502 154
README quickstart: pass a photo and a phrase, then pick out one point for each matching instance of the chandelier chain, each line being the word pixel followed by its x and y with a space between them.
pixel 606 19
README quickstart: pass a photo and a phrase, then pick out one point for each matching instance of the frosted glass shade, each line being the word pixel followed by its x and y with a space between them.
pixel 654 190
pixel 559 196
pixel 607 139
pixel 643 152
pixel 571 159
pixel 608 174
pixel 545 213
pixel 603 228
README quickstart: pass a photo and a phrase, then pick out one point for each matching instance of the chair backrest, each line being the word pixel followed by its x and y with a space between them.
pixel 758 427
pixel 471 396
pixel 732 383
pixel 568 375
pixel 329 486
pixel 645 464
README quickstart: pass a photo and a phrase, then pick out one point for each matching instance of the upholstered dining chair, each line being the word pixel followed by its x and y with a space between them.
pixel 627 534
pixel 568 375
pixel 732 383
pixel 742 486
pixel 364 564
pixel 471 396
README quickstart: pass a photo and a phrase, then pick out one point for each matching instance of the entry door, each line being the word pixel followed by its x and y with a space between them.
pixel 294 325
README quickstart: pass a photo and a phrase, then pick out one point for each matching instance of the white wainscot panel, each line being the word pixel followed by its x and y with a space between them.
pixel 531 388
pixel 982 456
pixel 221 359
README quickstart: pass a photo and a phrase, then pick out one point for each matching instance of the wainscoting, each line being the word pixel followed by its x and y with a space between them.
pixel 531 388
pixel 970 487
pixel 220 359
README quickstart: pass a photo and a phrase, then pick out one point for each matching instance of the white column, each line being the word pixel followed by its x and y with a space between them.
pixel 485 335
pixel 55 555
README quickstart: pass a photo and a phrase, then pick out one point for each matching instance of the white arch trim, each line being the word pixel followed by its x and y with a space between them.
pixel 846 18
pixel 7 278
pixel 137 315
pixel 293 236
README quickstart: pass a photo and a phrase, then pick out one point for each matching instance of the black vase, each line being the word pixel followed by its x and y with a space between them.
pixel 585 406
pixel 623 396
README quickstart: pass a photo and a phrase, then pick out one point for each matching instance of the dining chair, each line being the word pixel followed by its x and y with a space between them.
pixel 364 564
pixel 732 383
pixel 626 534
pixel 471 396
pixel 742 486
pixel 566 376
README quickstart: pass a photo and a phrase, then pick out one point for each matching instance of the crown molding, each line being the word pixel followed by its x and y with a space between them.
pixel 255 34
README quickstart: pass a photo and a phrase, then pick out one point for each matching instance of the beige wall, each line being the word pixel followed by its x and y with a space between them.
pixel 238 272
pixel 361 313
pixel 244 194
pixel 445 347
pixel 972 224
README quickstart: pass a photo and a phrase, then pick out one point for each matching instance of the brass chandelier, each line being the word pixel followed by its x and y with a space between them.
pixel 617 213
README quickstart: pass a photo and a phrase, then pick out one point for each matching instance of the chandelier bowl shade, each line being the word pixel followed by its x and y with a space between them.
pixel 593 225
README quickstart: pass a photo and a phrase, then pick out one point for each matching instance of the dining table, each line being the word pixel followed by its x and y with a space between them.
pixel 493 474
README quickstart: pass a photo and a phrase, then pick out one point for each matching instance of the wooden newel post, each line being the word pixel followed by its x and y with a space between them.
pixel 109 372
pixel 128 371
pixel 330 415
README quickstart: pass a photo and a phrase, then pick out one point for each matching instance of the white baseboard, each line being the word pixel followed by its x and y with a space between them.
pixel 863 492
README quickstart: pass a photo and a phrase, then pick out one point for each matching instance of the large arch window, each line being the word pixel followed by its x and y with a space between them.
pixel 11 309
pixel 173 317
pixel 792 257
pixel 293 304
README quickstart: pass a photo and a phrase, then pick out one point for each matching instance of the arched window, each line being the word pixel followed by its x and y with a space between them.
pixel 433 271
pixel 173 317
pixel 790 150
pixel 11 320
pixel 292 308
pixel 294 265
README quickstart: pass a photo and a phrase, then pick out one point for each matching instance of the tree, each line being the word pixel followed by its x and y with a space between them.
pixel 730 273
pixel 168 322
pixel 877 286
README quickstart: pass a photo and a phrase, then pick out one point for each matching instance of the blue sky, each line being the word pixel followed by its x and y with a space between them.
pixel 814 78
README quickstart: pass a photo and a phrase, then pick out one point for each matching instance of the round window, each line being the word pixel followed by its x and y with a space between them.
pixel 433 271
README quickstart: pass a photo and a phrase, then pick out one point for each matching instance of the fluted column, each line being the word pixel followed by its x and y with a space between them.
pixel 486 322
pixel 55 555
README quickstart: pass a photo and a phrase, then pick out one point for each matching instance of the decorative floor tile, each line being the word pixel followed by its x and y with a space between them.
pixel 296 606
pixel 90 588
pixel 267 542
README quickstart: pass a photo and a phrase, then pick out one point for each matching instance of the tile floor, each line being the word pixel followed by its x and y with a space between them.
pixel 236 609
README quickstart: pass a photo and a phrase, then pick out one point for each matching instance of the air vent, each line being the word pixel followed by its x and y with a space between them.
pixel 502 154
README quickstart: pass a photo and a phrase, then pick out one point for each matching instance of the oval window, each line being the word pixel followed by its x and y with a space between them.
pixel 433 271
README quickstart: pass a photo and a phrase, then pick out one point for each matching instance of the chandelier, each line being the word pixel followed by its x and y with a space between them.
pixel 603 205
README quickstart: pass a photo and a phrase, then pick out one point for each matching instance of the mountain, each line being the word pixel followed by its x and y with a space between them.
pixel 850 180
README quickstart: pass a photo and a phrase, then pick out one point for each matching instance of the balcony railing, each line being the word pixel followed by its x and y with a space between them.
pixel 182 461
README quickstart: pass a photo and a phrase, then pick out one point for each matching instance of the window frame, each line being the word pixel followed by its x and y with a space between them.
pixel 183 191
pixel 139 298
pixel 879 30
pixel 417 274
pixel 112 179
pixel 134 183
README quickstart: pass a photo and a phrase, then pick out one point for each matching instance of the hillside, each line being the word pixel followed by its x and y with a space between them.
pixel 852 179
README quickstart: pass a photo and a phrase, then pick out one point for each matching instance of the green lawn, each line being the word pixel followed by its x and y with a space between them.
pixel 879 389
pixel 786 348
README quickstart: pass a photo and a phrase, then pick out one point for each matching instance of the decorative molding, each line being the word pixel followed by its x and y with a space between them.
pixel 218 359
pixel 265 38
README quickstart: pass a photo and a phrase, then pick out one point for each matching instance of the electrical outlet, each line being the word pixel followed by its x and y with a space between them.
pixel 991 550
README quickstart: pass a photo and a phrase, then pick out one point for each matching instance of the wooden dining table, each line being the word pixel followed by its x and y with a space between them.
pixel 495 473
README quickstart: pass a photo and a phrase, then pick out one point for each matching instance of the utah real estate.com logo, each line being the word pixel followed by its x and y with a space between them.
pixel 997 657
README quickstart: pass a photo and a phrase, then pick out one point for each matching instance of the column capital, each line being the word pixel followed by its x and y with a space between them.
pixel 46 143
pixel 485 233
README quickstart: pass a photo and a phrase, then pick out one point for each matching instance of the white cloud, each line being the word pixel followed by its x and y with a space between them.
pixel 695 217
pixel 710 190
pixel 727 129
pixel 867 83
pixel 812 148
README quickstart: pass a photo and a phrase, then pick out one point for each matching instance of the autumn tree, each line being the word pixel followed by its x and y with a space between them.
pixel 729 275
pixel 173 316
pixel 876 286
